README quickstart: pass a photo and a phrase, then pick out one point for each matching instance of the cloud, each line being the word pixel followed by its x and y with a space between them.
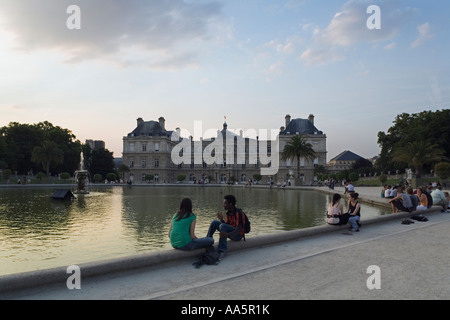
pixel 424 35
pixel 348 27
pixel 276 68
pixel 114 29
pixel 320 57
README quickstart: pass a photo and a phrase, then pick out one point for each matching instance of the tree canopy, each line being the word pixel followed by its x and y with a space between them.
pixel 32 148
pixel 296 148
pixel 416 140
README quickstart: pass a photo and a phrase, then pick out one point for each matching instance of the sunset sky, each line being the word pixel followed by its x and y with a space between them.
pixel 253 61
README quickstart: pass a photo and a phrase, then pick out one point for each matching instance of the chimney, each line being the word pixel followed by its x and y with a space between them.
pixel 281 129
pixel 288 120
pixel 311 118
pixel 162 123
pixel 139 121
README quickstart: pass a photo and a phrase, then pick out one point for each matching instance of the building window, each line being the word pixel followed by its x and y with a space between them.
pixel 143 177
pixel 144 147
pixel 131 162
pixel 156 177
pixel 156 162
pixel 156 146
pixel 144 163
pixel 131 147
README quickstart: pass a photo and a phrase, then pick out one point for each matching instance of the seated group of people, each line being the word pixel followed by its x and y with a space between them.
pixel 405 199
pixel 182 228
pixel 336 215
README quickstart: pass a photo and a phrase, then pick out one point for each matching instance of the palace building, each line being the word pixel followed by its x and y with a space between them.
pixel 152 151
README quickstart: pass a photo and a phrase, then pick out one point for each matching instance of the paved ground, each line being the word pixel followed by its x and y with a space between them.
pixel 404 261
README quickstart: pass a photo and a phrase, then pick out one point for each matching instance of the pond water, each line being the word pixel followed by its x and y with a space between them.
pixel 37 232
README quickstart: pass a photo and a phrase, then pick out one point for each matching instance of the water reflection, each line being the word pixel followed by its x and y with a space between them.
pixel 38 232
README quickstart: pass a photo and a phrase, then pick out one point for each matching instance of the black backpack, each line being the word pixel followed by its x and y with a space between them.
pixel 244 221
pixel 209 257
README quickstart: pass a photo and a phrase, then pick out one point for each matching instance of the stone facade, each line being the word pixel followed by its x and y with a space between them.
pixel 147 150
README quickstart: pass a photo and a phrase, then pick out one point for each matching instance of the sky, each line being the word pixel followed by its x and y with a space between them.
pixel 97 67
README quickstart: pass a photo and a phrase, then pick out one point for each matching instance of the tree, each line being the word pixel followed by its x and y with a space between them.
pixel 435 126
pixel 124 168
pixel 17 142
pixel 417 153
pixel 296 148
pixel 442 169
pixel 46 154
pixel 101 162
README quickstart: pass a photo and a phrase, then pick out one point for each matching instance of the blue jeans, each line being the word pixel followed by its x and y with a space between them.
pixel 198 244
pixel 353 221
pixel 222 227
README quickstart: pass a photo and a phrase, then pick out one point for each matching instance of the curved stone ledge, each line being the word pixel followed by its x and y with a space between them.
pixel 59 275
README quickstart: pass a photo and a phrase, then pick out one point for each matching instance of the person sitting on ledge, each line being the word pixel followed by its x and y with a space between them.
pixel 423 200
pixel 402 202
pixel 413 197
pixel 439 198
pixel 335 211
pixel 231 228
pixel 354 209
pixel 182 229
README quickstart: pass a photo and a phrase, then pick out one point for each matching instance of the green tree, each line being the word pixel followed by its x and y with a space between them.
pixel 46 154
pixel 101 162
pixel 442 169
pixel 296 148
pixel 257 177
pixel 17 142
pixel 122 169
pixel 435 126
pixel 417 153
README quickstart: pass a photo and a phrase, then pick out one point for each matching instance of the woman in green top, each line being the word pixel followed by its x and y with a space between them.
pixel 182 229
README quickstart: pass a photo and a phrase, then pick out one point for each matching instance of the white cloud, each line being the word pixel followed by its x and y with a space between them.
pixel 348 27
pixel 424 35
pixel 390 46
pixel 320 57
pixel 114 29
pixel 276 68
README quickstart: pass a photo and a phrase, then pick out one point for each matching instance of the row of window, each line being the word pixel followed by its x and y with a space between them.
pixel 145 148
pixel 223 165
pixel 192 177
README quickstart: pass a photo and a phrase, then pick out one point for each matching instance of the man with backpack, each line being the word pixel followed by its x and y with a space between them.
pixel 234 227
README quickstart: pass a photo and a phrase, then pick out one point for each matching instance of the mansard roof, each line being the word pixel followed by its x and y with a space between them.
pixel 347 156
pixel 149 128
pixel 301 126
